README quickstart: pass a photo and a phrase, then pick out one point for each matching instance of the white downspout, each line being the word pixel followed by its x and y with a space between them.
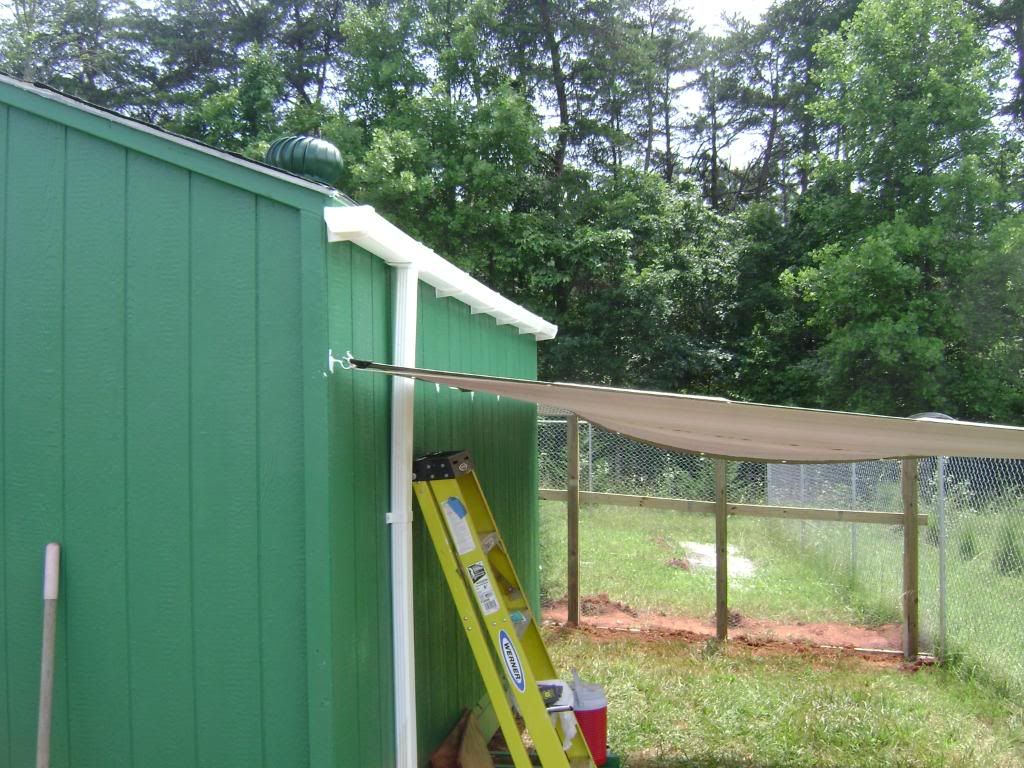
pixel 400 517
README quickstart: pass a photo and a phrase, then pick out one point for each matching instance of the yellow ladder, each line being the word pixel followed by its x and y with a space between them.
pixel 495 613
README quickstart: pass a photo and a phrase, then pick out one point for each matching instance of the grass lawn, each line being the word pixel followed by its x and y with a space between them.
pixel 626 553
pixel 674 704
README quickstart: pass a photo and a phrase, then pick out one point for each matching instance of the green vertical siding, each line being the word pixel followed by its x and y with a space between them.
pixel 223 469
pixel 94 513
pixel 152 421
pixel 500 435
pixel 34 461
pixel 280 484
pixel 159 581
pixel 359 311
pixel 5 732
pixel 319 551
pixel 166 415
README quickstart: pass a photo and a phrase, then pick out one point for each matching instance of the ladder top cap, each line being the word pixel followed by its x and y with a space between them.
pixel 446 465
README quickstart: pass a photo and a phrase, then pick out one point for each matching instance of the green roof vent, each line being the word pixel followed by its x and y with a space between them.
pixel 313 158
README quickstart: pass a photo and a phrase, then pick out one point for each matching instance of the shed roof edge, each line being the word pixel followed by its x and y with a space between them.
pixel 362 225
pixel 150 139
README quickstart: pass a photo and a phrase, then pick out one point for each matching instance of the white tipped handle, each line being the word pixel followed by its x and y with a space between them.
pixel 51 577
pixel 51 588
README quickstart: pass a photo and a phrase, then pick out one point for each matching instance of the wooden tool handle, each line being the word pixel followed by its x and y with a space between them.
pixel 51 589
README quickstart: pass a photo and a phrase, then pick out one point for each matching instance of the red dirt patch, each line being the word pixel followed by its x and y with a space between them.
pixel 600 612
pixel 817 655
pixel 602 605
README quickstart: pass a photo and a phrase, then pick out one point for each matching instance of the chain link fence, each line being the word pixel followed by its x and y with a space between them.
pixel 971 554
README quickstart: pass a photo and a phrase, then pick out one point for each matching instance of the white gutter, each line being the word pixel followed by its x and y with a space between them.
pixel 400 519
pixel 362 225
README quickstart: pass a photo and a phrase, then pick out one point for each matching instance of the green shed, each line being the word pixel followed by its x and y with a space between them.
pixel 169 414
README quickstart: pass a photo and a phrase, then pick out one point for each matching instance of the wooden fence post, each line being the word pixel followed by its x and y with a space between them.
pixel 910 560
pixel 721 553
pixel 572 447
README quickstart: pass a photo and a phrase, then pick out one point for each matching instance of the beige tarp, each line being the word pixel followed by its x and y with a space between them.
pixel 719 427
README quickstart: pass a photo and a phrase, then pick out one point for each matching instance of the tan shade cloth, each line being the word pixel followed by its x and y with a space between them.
pixel 736 430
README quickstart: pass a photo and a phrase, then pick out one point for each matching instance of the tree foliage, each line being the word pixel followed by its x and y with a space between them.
pixel 908 86
pixel 820 207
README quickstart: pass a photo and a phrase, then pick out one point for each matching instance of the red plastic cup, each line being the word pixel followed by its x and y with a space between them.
pixel 594 725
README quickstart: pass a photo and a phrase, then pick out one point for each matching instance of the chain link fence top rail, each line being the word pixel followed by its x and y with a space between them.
pixel 971 566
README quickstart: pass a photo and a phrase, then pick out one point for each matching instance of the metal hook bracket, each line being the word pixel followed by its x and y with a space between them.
pixel 345 362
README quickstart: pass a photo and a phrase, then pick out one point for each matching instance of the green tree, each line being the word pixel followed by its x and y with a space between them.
pixel 994 327
pixel 382 72
pixel 87 48
pixel 720 120
pixel 908 86
pixel 668 55
pixel 241 118
pixel 791 30
pixel 647 284
pixel 1005 19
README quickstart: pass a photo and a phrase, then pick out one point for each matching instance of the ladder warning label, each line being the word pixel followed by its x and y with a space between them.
pixel 455 515
pixel 482 587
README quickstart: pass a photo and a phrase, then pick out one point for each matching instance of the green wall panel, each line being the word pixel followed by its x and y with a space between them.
pixel 34 391
pixel 223 463
pixel 5 733
pixel 319 559
pixel 94 450
pixel 501 436
pixel 358 297
pixel 165 413
pixel 281 499
pixel 153 422
pixel 158 449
